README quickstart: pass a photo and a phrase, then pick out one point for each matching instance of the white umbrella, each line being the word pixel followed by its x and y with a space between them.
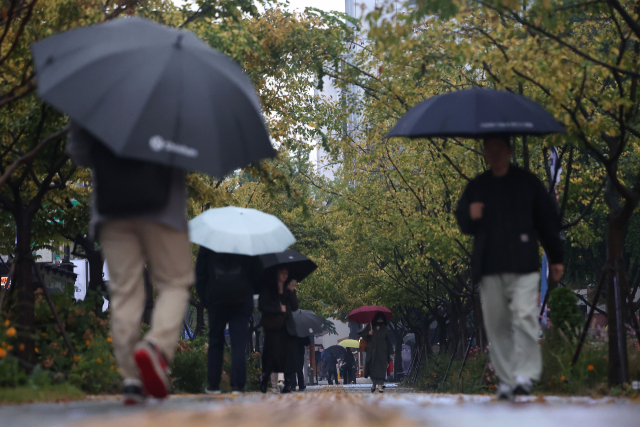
pixel 240 231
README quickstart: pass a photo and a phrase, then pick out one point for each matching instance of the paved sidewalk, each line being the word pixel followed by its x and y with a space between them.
pixel 330 406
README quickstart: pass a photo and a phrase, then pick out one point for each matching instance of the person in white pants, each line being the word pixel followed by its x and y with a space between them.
pixel 507 210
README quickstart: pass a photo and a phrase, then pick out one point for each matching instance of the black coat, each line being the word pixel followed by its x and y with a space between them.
pixel 379 349
pixel 518 212
pixel 248 269
pixel 280 346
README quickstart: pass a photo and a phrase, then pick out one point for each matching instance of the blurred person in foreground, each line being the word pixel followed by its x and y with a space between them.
pixel 507 210
pixel 138 215
pixel 297 378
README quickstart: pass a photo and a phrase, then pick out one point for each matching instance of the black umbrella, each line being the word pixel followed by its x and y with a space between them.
pixel 299 266
pixel 154 93
pixel 475 113
pixel 337 351
pixel 309 324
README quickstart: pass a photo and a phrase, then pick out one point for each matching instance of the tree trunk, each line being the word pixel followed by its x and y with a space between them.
pixel 616 300
pixel 25 288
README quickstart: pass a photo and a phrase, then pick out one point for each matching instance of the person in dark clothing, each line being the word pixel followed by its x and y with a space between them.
pixel 332 369
pixel 507 210
pixel 301 343
pixel 349 368
pixel 277 302
pixel 379 350
pixel 225 282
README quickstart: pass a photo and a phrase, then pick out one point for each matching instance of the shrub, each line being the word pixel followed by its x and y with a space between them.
pixel 94 370
pixel 189 368
pixel 564 311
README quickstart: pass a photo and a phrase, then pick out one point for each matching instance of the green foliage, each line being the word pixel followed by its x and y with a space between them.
pixel 189 367
pixel 95 370
pixel 431 377
pixel 63 392
pixel 564 312
pixel 10 373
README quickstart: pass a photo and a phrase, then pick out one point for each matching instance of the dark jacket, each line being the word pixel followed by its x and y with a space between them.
pixel 518 212
pixel 349 360
pixel 245 270
pixel 379 349
pixel 269 304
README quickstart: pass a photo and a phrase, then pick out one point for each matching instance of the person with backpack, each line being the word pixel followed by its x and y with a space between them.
pixel 139 217
pixel 277 303
pixel 225 282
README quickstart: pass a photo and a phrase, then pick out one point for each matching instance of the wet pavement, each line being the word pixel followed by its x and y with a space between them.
pixel 330 406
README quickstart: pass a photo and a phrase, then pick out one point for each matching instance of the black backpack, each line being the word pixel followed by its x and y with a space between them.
pixel 126 186
pixel 230 279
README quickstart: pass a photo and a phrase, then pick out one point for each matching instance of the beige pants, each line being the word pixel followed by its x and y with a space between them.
pixel 510 312
pixel 127 245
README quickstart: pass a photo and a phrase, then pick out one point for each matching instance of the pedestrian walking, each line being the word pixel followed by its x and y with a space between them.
pixel 139 217
pixel 379 350
pixel 226 282
pixel 277 302
pixel 349 368
pixel 507 210
pixel 299 354
pixel 332 369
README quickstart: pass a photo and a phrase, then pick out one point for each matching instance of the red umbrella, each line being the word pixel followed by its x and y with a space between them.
pixel 365 314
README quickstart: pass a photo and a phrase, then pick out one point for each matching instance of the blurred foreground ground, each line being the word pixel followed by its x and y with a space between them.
pixel 330 406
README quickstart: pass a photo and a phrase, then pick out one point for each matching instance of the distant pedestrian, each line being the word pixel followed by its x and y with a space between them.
pixel 277 302
pixel 349 368
pixel 226 282
pixel 139 217
pixel 297 378
pixel 332 369
pixel 507 210
pixel 379 350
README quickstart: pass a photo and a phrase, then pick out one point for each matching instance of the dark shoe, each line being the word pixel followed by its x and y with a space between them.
pixel 504 392
pixel 380 391
pixel 301 388
pixel 264 385
pixel 153 369
pixel 523 386
pixel 373 389
pixel 286 389
pixel 133 393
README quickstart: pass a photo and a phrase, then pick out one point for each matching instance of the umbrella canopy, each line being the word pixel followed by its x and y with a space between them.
pixel 309 324
pixel 475 113
pixel 299 266
pixel 365 314
pixel 350 343
pixel 410 339
pixel 240 231
pixel 335 350
pixel 154 93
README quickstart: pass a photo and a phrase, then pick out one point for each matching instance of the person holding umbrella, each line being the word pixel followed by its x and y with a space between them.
pixel 331 363
pixel 277 302
pixel 146 102
pixel 227 271
pixel 379 350
pixel 507 210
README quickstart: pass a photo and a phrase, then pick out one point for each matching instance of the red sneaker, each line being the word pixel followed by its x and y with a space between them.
pixel 153 369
